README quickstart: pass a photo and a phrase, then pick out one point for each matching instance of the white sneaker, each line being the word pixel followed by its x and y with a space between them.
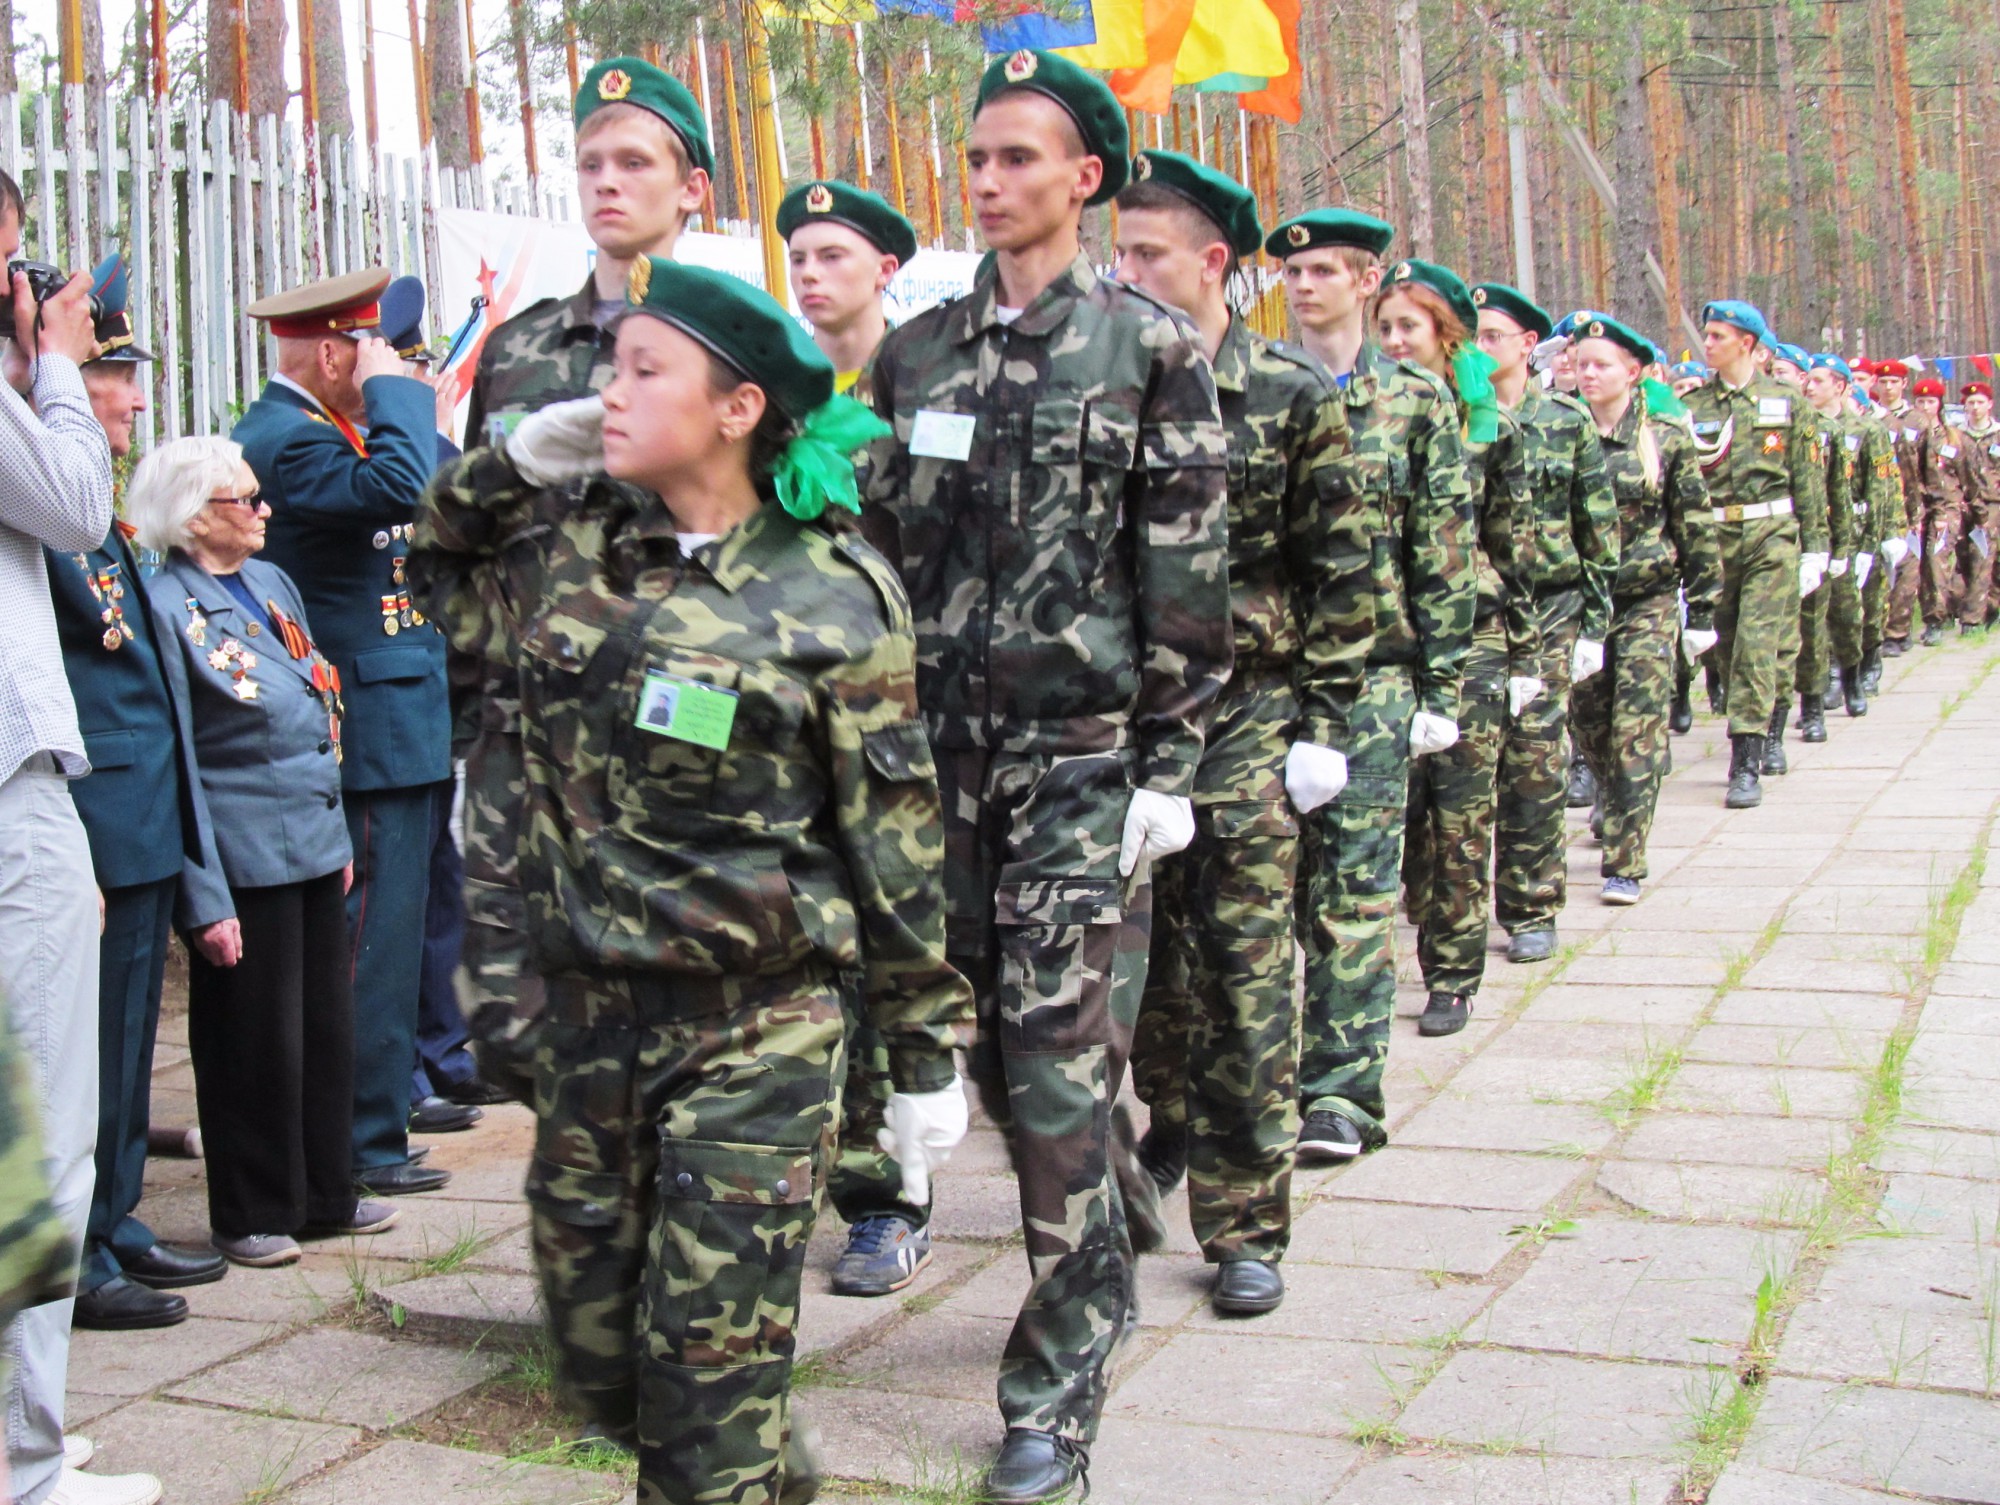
pixel 74 1488
pixel 77 1451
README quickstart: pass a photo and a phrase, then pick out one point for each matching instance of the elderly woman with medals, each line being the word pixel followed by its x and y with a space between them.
pixel 732 821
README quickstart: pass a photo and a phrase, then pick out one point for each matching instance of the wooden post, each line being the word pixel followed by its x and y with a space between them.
pixel 707 118
pixel 764 143
pixel 892 118
pixel 815 132
pixel 866 154
pixel 524 78
pixel 569 56
pixel 936 162
pixel 740 178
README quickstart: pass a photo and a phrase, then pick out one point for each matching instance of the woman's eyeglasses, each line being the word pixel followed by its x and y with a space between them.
pixel 253 501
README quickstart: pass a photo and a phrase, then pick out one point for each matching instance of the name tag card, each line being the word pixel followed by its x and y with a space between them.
pixel 686 710
pixel 1774 410
pixel 941 436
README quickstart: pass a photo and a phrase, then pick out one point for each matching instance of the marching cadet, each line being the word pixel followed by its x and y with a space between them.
pixel 140 808
pixel 1216 1052
pixel 1412 465
pixel 1906 427
pixel 1570 562
pixel 1878 506
pixel 1816 614
pixel 844 245
pixel 1427 317
pixel 1668 551
pixel 1865 455
pixel 643 164
pixel 1055 497
pixel 1980 439
pixel 732 821
pixel 1940 482
pixel 341 506
pixel 1756 441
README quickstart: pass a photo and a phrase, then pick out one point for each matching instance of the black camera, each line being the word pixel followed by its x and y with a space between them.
pixel 44 281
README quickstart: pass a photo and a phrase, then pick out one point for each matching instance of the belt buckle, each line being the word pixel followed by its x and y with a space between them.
pixel 1733 513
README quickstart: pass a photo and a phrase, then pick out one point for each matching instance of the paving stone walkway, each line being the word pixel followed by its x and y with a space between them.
pixel 1709 1207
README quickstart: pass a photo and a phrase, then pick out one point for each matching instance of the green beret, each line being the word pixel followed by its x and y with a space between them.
pixel 634 81
pixel 1627 339
pixel 1217 195
pixel 1331 227
pixel 1086 97
pixel 738 322
pixel 1443 281
pixel 867 214
pixel 1503 299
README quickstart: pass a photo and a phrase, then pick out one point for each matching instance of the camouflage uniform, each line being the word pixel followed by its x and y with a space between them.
pixel 1941 476
pixel 1759 453
pixel 1068 574
pixel 1906 425
pixel 1571 565
pixel 38 1262
pixel 1981 476
pixel 1815 611
pixel 1412 467
pixel 1448 827
pixel 694 911
pixel 1882 482
pixel 1845 606
pixel 1216 1049
pixel 1668 547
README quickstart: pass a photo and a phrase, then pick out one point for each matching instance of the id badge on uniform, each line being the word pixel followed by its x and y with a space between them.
pixel 500 427
pixel 942 436
pixel 1774 410
pixel 686 710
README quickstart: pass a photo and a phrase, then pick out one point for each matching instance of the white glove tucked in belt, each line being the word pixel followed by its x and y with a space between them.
pixel 1585 659
pixel 1898 549
pixel 1314 775
pixel 1156 825
pixel 1429 733
pixel 923 1129
pixel 561 442
pixel 1695 641
pixel 1812 572
pixel 1835 568
pixel 1864 566
pixel 1522 691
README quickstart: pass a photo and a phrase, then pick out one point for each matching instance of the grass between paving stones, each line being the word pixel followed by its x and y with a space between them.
pixel 1723 1402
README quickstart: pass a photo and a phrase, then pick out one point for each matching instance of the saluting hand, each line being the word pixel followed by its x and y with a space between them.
pixel 375 357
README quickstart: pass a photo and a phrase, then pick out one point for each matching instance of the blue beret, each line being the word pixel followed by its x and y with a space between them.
pixel 1681 370
pixel 1738 315
pixel 1825 360
pixel 1791 354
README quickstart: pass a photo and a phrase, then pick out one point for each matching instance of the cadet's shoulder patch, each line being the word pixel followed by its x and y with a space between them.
pixel 856 550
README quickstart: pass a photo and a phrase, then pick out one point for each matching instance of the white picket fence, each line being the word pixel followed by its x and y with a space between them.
pixel 214 212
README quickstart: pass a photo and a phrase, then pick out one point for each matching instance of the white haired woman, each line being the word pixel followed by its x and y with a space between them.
pixel 270 1012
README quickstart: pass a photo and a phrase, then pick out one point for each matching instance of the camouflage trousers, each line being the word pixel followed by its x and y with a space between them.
pixel 1875 604
pixel 1054 944
pixel 864 1179
pixel 1619 718
pixel 1352 860
pixel 1757 619
pixel 501 997
pixel 1216 1049
pixel 1975 557
pixel 1843 619
pixel 1903 592
pixel 1531 852
pixel 1815 649
pixel 680 1126
pixel 1448 828
pixel 1941 586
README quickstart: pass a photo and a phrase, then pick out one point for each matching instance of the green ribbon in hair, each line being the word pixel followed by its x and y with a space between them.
pixel 817 468
pixel 1472 369
pixel 1661 401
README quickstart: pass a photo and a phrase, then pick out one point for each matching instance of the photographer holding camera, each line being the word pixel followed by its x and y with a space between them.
pixel 55 490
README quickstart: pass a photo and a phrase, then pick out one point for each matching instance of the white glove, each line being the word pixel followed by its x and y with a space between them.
pixel 1156 825
pixel 1521 692
pixel 923 1129
pixel 1313 775
pixel 1585 659
pixel 1898 549
pixel 1812 571
pixel 1864 566
pixel 1835 568
pixel 1429 734
pixel 1695 641
pixel 563 441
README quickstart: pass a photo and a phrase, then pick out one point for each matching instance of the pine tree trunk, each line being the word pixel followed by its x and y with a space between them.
pixel 336 108
pixel 1416 126
pixel 1901 110
pixel 1634 232
pixel 444 47
pixel 1845 310
pixel 1807 311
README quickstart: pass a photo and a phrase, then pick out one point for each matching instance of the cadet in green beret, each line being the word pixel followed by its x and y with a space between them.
pixel 733 820
pixel 1570 563
pixel 1216 1054
pixel 643 165
pixel 1055 497
pixel 1411 465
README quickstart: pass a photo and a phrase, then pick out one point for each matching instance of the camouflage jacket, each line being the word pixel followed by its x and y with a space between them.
pixel 790 819
pixel 1558 478
pixel 1055 495
pixel 1505 539
pixel 1414 471
pixel 1981 470
pixel 37 1258
pixel 1298 534
pixel 1838 480
pixel 1759 445
pixel 1878 483
pixel 1667 531
pixel 1941 473
pixel 1906 429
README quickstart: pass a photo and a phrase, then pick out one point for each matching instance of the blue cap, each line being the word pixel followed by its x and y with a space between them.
pixel 110 285
pixel 1826 360
pixel 1683 370
pixel 402 307
pixel 1793 355
pixel 1738 315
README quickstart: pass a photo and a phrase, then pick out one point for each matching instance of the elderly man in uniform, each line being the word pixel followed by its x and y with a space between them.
pixel 1757 441
pixel 1054 496
pixel 142 810
pixel 342 444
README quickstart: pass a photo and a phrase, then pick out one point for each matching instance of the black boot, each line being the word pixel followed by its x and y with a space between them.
pixel 1852 690
pixel 1746 762
pixel 1933 634
pixel 1871 671
pixel 1774 739
pixel 1680 720
pixel 1713 676
pixel 1582 784
pixel 1812 718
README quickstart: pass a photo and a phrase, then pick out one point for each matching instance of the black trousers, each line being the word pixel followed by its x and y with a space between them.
pixel 273 1045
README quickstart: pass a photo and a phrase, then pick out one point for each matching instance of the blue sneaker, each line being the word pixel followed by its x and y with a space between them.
pixel 1620 891
pixel 884 1253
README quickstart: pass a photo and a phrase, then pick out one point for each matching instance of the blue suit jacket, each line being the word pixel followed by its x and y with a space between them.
pixel 139 804
pixel 267 764
pixel 337 528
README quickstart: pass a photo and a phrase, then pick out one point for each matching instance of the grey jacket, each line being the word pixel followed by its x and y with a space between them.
pixel 268 759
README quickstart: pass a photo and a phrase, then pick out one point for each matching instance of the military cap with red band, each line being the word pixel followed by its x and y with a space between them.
pixel 348 304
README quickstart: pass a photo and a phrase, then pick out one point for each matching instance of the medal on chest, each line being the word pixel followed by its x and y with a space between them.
pixel 233 659
pixel 197 624
pixel 109 591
